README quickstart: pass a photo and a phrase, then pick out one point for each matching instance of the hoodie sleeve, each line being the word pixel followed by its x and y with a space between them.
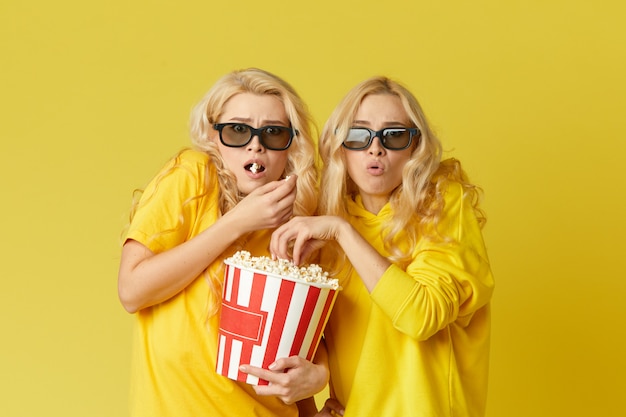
pixel 445 282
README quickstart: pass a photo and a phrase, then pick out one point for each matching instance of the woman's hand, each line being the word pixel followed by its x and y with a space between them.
pixel 306 234
pixel 266 207
pixel 290 379
pixel 301 236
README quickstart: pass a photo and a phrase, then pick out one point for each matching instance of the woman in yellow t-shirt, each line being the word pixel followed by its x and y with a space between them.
pixel 409 333
pixel 252 150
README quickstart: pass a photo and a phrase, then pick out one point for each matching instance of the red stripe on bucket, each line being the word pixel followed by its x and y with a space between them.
pixel 228 341
pixel 278 323
pixel 320 325
pixel 235 286
pixel 307 312
pixel 256 298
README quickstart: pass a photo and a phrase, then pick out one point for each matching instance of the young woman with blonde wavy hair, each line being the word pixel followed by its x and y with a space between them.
pixel 409 333
pixel 253 148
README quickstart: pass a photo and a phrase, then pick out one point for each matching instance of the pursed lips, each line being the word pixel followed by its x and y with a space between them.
pixel 375 168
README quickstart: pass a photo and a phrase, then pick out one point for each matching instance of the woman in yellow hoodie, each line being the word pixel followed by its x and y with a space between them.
pixel 409 333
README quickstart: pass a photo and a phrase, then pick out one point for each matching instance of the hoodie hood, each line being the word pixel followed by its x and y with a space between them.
pixel 355 208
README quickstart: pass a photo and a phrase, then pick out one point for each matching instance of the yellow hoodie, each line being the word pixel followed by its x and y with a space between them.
pixel 418 345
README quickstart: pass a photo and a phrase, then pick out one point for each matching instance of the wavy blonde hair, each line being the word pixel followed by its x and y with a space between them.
pixel 417 202
pixel 300 158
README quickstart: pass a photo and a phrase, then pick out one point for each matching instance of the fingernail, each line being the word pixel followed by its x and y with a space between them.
pixel 272 366
pixel 243 368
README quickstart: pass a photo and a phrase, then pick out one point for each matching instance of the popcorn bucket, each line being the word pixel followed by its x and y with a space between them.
pixel 265 317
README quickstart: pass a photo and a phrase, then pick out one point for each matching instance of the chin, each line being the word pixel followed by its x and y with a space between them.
pixel 246 189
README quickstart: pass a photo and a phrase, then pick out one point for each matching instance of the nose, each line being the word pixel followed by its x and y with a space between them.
pixel 255 144
pixel 376 148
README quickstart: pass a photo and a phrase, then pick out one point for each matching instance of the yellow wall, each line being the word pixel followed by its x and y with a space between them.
pixel 94 96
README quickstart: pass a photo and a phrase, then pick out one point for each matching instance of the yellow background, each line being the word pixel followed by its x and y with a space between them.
pixel 529 94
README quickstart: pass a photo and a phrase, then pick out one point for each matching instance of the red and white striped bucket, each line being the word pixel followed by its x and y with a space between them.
pixel 266 317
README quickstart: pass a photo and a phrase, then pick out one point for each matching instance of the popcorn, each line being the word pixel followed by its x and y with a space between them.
pixel 312 273
pixel 254 168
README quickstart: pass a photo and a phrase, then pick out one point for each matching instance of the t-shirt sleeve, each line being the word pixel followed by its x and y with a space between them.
pixel 168 206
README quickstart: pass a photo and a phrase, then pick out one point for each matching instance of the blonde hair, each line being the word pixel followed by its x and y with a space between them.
pixel 417 202
pixel 300 157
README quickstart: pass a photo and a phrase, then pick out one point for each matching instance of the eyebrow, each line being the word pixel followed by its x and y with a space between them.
pixel 265 122
pixel 388 124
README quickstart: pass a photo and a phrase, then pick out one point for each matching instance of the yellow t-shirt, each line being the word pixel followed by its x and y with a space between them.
pixel 175 346
pixel 418 345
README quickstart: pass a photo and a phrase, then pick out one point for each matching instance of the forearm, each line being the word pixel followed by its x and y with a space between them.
pixel 146 279
pixel 368 263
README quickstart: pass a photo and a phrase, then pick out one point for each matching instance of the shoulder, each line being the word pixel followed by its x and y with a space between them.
pixel 190 163
pixel 189 171
pixel 453 191
pixel 452 206
pixel 192 158
pixel 451 182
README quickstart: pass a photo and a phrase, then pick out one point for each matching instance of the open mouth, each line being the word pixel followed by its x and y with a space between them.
pixel 254 168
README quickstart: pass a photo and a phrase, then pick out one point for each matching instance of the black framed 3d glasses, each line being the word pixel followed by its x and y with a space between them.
pixel 236 135
pixel 392 138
